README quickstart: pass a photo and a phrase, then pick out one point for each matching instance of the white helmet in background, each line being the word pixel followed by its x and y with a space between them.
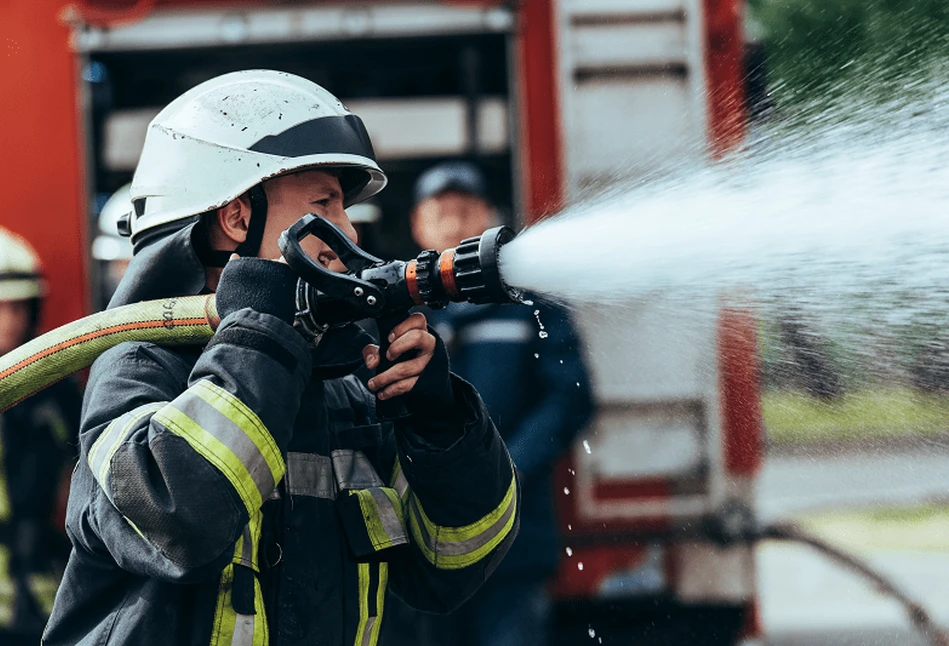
pixel 227 135
pixel 21 273
pixel 109 245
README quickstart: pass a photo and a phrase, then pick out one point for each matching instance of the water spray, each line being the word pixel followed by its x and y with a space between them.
pixel 370 288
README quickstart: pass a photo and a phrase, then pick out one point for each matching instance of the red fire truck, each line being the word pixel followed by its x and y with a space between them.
pixel 556 100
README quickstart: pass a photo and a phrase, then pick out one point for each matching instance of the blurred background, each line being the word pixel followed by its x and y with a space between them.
pixel 715 415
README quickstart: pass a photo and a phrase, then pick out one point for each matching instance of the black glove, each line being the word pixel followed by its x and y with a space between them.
pixel 437 415
pixel 263 285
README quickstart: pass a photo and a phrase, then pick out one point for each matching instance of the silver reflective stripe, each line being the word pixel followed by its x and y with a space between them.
pixel 458 548
pixel 104 448
pixel 243 630
pixel 367 639
pixel 354 471
pixel 496 332
pixel 401 485
pixel 389 517
pixel 247 548
pixel 230 435
pixel 310 474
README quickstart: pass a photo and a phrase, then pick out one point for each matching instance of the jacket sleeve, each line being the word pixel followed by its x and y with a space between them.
pixel 460 506
pixel 564 403
pixel 182 460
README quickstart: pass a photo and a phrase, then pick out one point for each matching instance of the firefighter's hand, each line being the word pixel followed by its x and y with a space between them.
pixel 410 335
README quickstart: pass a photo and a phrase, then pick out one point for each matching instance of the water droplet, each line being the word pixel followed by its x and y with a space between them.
pixel 591 633
pixel 542 334
pixel 527 302
pixel 536 356
pixel 586 447
pixel 569 551
pixel 566 491
pixel 578 384
pixel 580 566
pixel 561 362
pixel 569 528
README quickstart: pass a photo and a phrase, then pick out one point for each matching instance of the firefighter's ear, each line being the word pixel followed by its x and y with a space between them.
pixel 233 219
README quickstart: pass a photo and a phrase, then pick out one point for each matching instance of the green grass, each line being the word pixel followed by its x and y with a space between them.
pixel 921 527
pixel 791 417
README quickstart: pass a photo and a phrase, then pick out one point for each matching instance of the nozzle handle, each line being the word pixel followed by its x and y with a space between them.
pixel 390 409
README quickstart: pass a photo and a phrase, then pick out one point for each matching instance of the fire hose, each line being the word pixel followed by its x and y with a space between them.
pixel 386 291
pixel 370 288
pixel 734 524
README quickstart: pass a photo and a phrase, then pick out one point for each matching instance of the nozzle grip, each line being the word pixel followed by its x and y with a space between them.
pixel 390 409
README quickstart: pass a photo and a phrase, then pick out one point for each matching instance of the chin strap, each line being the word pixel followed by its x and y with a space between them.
pixel 255 228
pixel 255 234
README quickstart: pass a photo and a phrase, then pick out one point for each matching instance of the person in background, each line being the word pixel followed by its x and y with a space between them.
pixel 37 446
pixel 525 362
pixel 363 216
pixel 112 250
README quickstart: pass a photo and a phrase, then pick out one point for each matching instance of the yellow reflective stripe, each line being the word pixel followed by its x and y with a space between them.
pixel 452 548
pixel 236 410
pixel 7 591
pixel 215 452
pixel 230 628
pixel 5 508
pixel 367 632
pixel 222 631
pixel 105 446
pixel 261 630
pixel 380 602
pixel 363 573
pixel 43 588
pixel 383 522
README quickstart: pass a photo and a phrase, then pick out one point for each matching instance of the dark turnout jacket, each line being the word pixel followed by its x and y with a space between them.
pixel 37 446
pixel 243 493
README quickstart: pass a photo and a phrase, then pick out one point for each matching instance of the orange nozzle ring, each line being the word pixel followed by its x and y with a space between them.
pixel 411 282
pixel 446 271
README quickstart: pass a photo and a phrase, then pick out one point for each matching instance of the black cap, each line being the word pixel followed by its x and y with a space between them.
pixel 451 176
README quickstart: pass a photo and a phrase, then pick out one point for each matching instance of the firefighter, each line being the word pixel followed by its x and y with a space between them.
pixel 112 251
pixel 539 402
pixel 37 440
pixel 244 493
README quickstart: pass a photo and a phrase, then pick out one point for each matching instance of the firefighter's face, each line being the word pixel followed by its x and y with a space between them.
pixel 14 324
pixel 446 219
pixel 290 197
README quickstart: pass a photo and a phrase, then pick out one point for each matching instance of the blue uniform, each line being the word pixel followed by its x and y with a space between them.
pixel 537 392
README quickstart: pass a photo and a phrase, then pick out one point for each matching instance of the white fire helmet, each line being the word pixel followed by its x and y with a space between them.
pixel 21 273
pixel 109 245
pixel 225 136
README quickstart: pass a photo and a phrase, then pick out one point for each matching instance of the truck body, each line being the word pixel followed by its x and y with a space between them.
pixel 557 101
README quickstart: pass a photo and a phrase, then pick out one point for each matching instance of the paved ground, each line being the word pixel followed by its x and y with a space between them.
pixel 813 479
pixel 808 602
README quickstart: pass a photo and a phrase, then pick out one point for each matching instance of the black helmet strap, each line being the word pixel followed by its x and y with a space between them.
pixel 255 234
pixel 255 228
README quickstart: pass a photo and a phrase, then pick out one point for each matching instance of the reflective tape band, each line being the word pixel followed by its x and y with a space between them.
pixel 5 507
pixel 231 628
pixel 104 448
pixel 453 548
pixel 382 512
pixel 310 474
pixel 354 470
pixel 230 436
pixel 399 482
pixel 497 331
pixel 371 602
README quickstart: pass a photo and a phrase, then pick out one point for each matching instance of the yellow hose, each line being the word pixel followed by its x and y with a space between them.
pixel 74 346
